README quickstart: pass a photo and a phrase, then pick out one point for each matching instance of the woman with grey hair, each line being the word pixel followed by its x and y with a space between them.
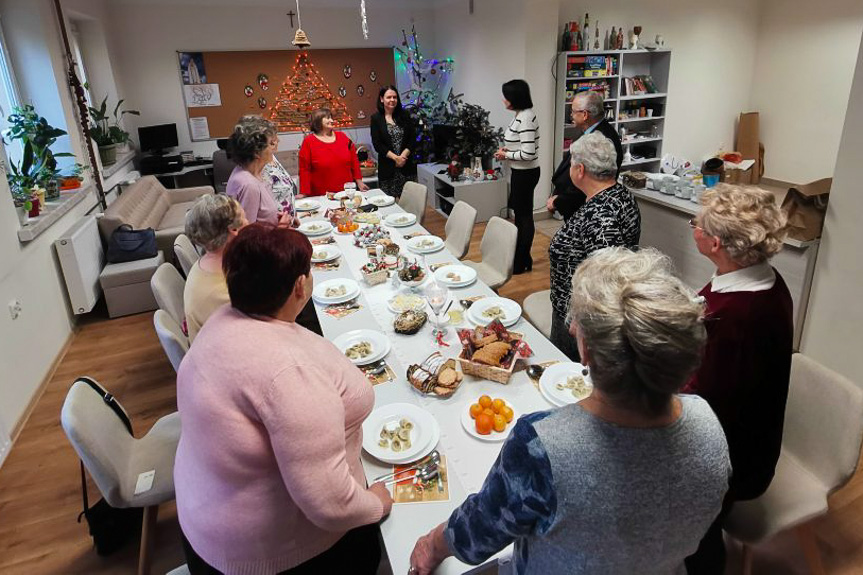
pixel 211 223
pixel 629 477
pixel 251 147
pixel 609 217
pixel 750 332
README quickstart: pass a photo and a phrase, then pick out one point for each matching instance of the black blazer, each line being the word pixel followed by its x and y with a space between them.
pixel 570 198
pixel 383 143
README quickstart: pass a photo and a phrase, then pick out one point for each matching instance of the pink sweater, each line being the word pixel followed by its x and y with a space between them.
pixel 255 195
pixel 268 471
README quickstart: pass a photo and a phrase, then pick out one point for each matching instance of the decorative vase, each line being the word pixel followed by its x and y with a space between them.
pixel 34 211
pixel 52 189
pixel 108 154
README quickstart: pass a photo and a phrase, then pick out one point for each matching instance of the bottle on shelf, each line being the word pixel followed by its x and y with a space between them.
pixel 586 35
pixel 620 38
pixel 596 36
pixel 612 40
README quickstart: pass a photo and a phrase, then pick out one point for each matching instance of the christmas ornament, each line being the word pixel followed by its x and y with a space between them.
pixel 264 81
pixel 301 41
pixel 364 20
pixel 248 91
pixel 373 76
pixel 347 71
pixel 361 90
pixel 262 102
pixel 361 115
pixel 343 92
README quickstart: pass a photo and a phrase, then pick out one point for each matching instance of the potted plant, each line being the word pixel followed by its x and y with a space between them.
pixel 474 135
pixel 38 166
pixel 106 130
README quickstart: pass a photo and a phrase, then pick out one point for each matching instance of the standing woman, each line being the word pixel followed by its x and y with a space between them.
pixel 328 159
pixel 520 147
pixel 393 134
pixel 251 147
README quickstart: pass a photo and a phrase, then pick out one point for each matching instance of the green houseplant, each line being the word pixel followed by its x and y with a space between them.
pixel 474 136
pixel 38 165
pixel 106 130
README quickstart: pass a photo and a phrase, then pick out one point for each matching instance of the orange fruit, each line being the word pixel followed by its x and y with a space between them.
pixel 499 422
pixel 507 413
pixel 488 411
pixel 485 401
pixel 475 410
pixel 484 423
pixel 497 404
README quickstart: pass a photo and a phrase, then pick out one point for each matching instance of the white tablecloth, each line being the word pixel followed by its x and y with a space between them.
pixel 469 459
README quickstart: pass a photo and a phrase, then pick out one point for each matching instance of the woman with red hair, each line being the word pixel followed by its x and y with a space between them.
pixel 267 474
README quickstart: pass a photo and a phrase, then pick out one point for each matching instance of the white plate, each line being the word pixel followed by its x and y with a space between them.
pixel 315 228
pixel 423 435
pixel 511 309
pixel 326 253
pixel 470 426
pixel 380 344
pixel 414 244
pixel 556 374
pixel 420 303
pixel 343 195
pixel 467 274
pixel 352 287
pixel 400 220
pixel 307 205
pixel 382 201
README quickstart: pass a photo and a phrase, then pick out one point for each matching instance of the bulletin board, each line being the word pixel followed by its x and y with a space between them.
pixel 283 86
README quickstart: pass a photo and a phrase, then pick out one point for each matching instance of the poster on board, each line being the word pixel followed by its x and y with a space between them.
pixel 192 68
pixel 202 95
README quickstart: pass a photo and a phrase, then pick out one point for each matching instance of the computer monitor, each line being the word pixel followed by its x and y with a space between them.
pixel 157 139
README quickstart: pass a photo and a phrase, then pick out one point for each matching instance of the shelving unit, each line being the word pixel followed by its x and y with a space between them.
pixel 619 105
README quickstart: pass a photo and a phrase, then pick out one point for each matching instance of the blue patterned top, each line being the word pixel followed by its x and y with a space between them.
pixel 517 499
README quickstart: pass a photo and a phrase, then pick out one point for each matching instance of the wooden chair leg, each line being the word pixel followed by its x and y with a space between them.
pixel 747 559
pixel 148 535
pixel 810 548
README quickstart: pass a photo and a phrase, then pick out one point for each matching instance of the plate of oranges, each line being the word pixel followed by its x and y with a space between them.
pixel 488 419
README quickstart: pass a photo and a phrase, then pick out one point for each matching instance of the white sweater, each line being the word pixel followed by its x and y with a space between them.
pixel 521 140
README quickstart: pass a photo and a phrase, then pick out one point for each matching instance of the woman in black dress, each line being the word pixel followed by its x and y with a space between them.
pixel 394 137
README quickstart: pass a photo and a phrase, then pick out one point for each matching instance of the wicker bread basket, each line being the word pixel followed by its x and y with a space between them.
pixel 498 374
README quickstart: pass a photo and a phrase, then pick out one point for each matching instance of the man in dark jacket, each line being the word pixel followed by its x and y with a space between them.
pixel 588 113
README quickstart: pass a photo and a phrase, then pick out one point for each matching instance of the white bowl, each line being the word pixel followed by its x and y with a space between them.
pixel 467 275
pixel 380 344
pixel 557 373
pixel 307 205
pixel 425 244
pixel 400 220
pixel 315 228
pixel 382 200
pixel 325 253
pixel 510 308
pixel 424 435
pixel 352 290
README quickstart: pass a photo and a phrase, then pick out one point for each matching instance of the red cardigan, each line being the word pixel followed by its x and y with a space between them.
pixel 327 167
pixel 744 377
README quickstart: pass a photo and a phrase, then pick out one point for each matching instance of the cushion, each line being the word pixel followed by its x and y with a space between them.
pixel 794 496
pixel 174 216
pixel 116 275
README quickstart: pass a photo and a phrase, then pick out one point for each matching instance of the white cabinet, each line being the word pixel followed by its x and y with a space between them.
pixel 488 197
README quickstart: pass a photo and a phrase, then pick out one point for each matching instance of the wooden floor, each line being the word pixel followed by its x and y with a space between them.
pixel 40 487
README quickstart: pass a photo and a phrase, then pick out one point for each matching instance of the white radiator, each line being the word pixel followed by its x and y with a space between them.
pixel 82 258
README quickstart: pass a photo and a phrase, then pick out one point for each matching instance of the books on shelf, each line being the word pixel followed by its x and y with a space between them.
pixel 590 66
pixel 601 86
pixel 638 85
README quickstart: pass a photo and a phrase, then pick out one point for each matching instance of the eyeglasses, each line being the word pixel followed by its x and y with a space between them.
pixel 694 225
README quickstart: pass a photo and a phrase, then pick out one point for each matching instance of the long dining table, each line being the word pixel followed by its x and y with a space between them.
pixel 468 459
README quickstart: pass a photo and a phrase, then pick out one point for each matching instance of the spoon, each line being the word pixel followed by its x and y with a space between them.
pixel 376 368
pixel 422 473
pixel 465 303
pixel 535 371
pixel 432 458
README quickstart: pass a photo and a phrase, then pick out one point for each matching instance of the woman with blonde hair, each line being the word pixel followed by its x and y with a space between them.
pixel 747 360
pixel 211 223
pixel 628 478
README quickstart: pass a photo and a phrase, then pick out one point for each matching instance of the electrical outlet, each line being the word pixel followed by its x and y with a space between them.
pixel 15 308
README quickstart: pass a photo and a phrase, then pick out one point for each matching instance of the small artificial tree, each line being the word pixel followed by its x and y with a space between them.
pixel 474 135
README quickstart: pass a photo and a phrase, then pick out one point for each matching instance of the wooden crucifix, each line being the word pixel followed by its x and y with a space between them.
pixel 291 14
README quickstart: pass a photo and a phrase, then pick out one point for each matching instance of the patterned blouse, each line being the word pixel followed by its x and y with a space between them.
pixel 610 218
pixel 283 185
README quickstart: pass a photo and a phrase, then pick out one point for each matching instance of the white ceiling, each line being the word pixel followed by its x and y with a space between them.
pixel 286 4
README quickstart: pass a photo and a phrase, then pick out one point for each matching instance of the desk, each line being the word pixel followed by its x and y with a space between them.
pixel 488 197
pixel 207 168
pixel 468 459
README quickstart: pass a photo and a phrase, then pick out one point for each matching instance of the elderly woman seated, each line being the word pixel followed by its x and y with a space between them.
pixel 750 331
pixel 267 473
pixel 211 223
pixel 609 217
pixel 627 480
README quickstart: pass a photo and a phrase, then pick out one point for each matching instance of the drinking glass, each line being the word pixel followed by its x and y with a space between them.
pixel 437 296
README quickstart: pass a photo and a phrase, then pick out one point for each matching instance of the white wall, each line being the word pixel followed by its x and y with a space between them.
pixel 834 321
pixel 801 81
pixel 148 37
pixel 713 47
pixel 30 272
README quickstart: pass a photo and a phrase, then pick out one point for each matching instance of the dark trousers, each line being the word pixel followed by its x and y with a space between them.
pixel 521 186
pixel 308 318
pixel 709 559
pixel 561 338
pixel 358 552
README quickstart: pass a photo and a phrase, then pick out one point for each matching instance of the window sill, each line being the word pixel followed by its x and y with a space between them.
pixel 53 211
pixel 123 159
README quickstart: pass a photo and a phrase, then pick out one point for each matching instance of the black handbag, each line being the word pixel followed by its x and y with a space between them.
pixel 110 527
pixel 128 245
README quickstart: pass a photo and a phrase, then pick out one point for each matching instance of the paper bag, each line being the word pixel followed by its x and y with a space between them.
pixel 805 207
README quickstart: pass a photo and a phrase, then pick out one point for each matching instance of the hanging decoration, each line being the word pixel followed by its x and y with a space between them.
pixel 343 92
pixel 264 81
pixel 303 92
pixel 347 71
pixel 364 20
pixel 361 90
pixel 262 102
pixel 248 91
pixel 428 81
pixel 300 40
pixel 373 76
pixel 361 115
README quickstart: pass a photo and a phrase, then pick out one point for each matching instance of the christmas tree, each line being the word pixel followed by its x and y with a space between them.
pixel 303 92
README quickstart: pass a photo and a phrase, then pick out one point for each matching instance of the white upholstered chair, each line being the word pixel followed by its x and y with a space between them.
pixel 168 286
pixel 820 450
pixel 537 308
pixel 459 227
pixel 171 336
pixel 186 253
pixel 115 458
pixel 498 251
pixel 413 200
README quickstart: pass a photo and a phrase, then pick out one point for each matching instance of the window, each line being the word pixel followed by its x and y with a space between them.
pixel 75 45
pixel 9 98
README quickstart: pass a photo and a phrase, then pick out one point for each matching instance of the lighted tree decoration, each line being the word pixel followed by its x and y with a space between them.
pixel 424 99
pixel 303 92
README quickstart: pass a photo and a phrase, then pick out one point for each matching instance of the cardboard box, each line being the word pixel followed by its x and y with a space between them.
pixel 749 144
pixel 735 176
pixel 806 206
